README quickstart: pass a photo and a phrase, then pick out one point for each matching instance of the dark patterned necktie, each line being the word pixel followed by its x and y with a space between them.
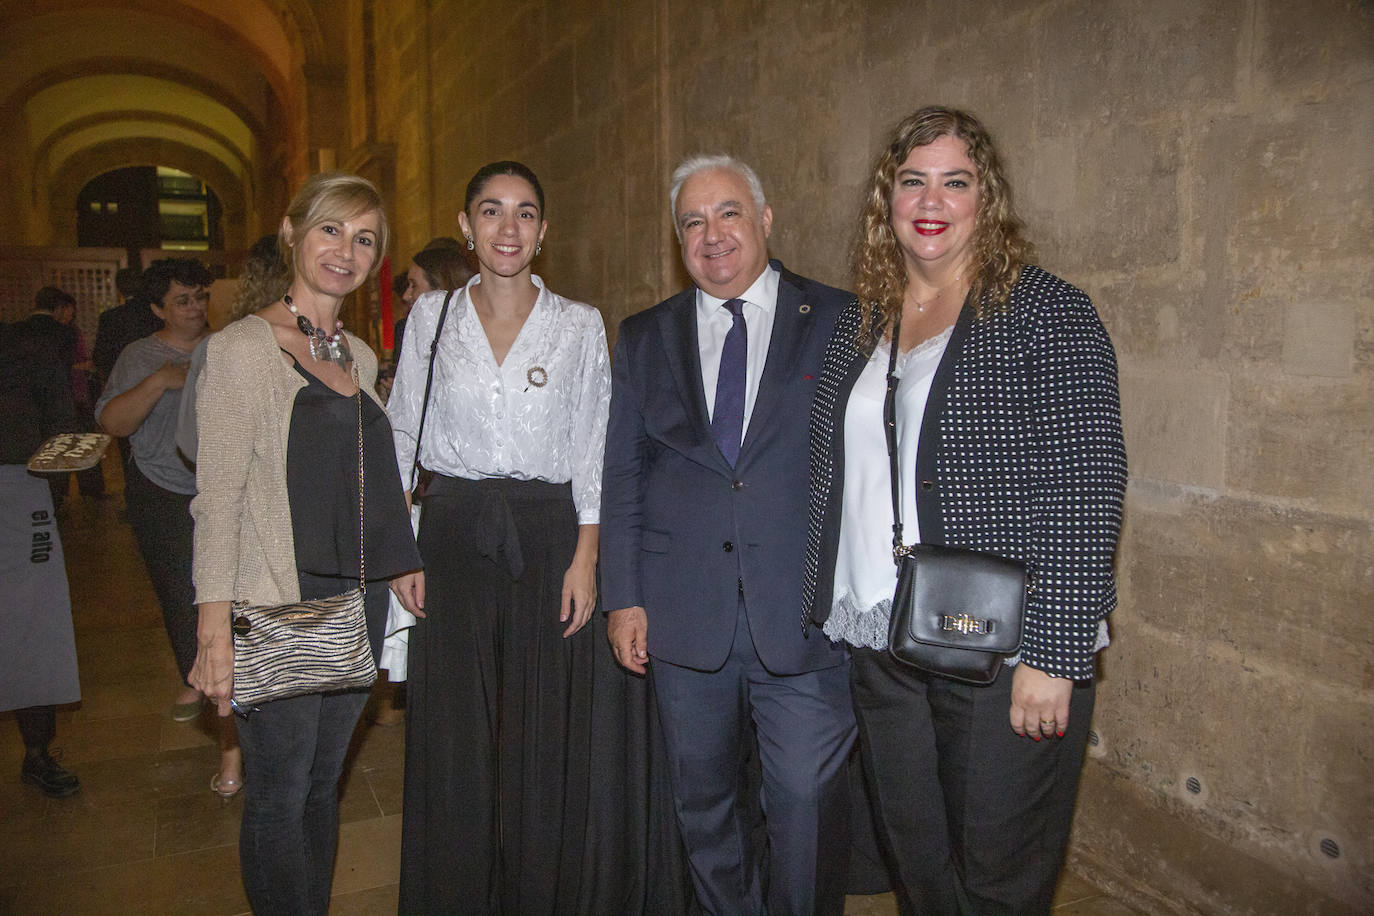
pixel 727 419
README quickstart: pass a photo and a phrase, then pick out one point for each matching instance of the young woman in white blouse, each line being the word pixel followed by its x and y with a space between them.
pixel 498 738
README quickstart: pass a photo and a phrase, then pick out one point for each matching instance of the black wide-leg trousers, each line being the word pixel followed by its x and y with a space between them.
pixel 974 817
pixel 498 706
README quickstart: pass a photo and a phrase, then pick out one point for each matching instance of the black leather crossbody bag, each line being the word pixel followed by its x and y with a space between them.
pixel 957 613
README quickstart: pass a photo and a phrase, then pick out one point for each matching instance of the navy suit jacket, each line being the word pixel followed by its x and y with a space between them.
pixel 683 534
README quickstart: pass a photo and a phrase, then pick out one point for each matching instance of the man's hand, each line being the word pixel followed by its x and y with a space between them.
pixel 628 632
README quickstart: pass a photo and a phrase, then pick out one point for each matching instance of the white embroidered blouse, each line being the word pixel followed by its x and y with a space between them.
pixel 540 415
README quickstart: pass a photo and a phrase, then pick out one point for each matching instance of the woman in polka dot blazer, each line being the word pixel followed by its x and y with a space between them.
pixel 1009 441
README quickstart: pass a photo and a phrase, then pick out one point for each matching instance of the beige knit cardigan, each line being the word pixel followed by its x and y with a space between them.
pixel 244 550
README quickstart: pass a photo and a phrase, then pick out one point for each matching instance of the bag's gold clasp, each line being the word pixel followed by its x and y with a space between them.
pixel 966 624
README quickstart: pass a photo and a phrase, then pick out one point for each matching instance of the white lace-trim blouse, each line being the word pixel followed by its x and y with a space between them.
pixel 865 575
pixel 540 415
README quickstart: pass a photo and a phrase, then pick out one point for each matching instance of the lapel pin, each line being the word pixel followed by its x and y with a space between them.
pixel 805 309
pixel 537 377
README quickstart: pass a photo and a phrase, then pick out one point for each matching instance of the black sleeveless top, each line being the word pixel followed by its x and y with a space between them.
pixel 322 489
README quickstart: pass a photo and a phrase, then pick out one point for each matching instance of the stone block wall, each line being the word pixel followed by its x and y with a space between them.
pixel 1202 168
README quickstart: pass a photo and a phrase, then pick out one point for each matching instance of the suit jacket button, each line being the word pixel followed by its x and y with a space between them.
pixel 727 546
pixel 736 484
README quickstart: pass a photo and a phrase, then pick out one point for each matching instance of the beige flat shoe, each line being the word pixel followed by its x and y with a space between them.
pixel 186 712
pixel 225 788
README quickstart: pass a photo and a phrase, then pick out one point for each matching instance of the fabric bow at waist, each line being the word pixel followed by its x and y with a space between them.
pixel 486 504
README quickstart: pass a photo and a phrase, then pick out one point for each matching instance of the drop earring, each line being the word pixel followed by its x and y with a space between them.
pixel 538 248
pixel 470 245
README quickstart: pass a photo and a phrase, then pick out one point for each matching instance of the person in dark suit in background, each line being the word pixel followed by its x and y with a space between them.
pixel 46 333
pixel 37 651
pixel 56 338
pixel 34 389
pixel 703 533
pixel 121 326
pixel 85 389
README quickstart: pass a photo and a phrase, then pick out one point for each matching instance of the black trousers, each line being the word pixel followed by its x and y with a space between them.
pixel 163 528
pixel 293 757
pixel 974 818
pixel 535 780
pixel 498 706
pixel 37 726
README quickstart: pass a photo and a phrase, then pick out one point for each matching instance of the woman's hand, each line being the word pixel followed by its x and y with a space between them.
pixel 124 413
pixel 171 376
pixel 579 596
pixel 1039 703
pixel 213 671
pixel 409 589
pixel 579 582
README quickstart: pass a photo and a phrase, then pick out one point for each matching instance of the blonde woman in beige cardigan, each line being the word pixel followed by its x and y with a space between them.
pixel 276 518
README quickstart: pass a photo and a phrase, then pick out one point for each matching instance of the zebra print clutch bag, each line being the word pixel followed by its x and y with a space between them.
pixel 289 650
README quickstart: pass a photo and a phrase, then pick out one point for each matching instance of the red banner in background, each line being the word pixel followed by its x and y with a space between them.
pixel 388 324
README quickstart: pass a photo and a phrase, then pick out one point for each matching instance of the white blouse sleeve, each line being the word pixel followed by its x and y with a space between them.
pixel 589 413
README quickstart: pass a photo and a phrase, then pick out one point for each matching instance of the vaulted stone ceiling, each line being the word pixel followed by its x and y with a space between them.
pixel 218 88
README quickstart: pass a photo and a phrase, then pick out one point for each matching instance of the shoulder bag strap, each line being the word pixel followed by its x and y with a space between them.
pixel 429 382
pixel 362 570
pixel 890 433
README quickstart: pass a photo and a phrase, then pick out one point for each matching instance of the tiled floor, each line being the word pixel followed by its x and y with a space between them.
pixel 145 835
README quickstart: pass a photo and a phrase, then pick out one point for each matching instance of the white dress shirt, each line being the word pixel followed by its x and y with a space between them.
pixel 487 420
pixel 714 322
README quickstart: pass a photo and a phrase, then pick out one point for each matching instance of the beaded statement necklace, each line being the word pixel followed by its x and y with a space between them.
pixel 331 347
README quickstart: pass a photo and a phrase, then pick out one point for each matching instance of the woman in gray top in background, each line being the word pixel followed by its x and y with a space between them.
pixel 142 400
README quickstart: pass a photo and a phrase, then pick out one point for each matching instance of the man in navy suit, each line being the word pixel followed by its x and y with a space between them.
pixel 703 531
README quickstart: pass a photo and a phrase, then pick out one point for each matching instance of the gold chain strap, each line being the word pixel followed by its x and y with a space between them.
pixel 362 571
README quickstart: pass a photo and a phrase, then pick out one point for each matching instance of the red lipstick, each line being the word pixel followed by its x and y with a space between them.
pixel 929 226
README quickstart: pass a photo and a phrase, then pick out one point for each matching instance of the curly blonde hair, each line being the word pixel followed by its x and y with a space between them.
pixel 999 246
pixel 262 280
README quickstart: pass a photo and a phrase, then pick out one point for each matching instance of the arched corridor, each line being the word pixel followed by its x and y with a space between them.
pixel 213 89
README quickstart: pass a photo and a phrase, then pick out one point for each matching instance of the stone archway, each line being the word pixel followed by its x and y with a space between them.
pixel 259 60
pixel 239 218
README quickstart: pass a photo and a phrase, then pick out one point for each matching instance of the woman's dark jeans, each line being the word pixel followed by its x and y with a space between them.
pixel 293 754
pixel 163 528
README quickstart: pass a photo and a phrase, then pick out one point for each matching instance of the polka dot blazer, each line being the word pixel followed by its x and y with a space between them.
pixel 1020 455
